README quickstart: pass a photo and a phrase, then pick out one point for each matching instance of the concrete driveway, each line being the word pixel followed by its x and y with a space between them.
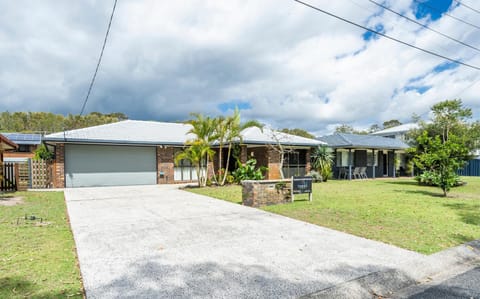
pixel 161 242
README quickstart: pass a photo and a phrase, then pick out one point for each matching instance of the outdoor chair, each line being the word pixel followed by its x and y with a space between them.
pixel 363 173
pixel 356 173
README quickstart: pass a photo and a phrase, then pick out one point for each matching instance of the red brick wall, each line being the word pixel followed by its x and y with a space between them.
pixel 273 158
pixel 59 166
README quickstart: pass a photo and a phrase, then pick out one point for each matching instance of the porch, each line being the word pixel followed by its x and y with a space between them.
pixel 366 156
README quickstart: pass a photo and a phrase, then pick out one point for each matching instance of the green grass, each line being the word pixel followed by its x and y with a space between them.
pixel 394 211
pixel 37 261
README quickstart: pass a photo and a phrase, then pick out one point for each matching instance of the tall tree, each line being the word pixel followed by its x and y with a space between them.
pixel 298 132
pixel 229 133
pixel 391 123
pixel 204 129
pixel 444 145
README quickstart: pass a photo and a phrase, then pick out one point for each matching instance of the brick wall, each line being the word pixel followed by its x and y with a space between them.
pixel 268 192
pixel 165 165
pixel 273 158
pixel 59 166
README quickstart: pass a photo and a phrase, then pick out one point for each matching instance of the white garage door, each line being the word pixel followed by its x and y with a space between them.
pixel 109 165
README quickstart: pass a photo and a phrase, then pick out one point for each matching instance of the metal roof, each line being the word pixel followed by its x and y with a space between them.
pixel 256 135
pixel 343 140
pixel 396 130
pixel 23 138
pixel 7 144
pixel 163 133
pixel 127 132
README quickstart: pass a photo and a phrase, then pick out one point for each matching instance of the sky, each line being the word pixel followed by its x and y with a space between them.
pixel 278 61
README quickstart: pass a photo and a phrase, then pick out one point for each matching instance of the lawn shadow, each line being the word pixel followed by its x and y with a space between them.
pixel 21 288
pixel 470 214
pixel 422 192
pixel 402 182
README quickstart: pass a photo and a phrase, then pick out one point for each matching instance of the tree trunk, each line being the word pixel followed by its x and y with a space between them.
pixel 227 164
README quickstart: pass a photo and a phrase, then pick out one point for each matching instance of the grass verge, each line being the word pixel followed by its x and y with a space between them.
pixel 38 259
pixel 394 211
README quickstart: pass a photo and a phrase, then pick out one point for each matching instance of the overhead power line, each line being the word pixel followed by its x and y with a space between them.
pixel 389 37
pixel 425 26
pixel 446 14
pixel 99 59
pixel 469 7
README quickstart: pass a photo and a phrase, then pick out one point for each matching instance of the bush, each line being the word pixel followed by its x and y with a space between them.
pixel 430 178
pixel 230 179
pixel 315 175
pixel 248 171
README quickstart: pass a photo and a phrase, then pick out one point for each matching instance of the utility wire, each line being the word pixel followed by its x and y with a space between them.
pixel 389 37
pixel 425 26
pixel 446 14
pixel 469 7
pixel 99 59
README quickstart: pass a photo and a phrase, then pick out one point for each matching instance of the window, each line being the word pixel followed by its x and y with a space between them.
pixel 342 159
pixel 371 158
pixel 184 171
pixel 24 148
pixel 294 163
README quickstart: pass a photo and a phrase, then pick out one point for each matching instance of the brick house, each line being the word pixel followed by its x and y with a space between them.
pixel 27 144
pixel 142 153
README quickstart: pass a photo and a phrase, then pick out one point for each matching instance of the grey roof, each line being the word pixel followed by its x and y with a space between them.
pixel 127 132
pixel 22 138
pixel 342 140
pixel 163 133
pixel 396 130
pixel 255 135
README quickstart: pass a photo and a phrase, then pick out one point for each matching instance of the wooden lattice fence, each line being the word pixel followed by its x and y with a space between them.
pixel 40 174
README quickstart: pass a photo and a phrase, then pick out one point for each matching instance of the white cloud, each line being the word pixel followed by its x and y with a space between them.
pixel 295 66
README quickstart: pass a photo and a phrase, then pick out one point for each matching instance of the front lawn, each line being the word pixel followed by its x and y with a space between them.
pixel 394 211
pixel 37 258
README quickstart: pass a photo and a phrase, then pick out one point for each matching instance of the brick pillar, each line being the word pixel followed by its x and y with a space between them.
pixel 273 158
pixel 59 166
pixel 165 165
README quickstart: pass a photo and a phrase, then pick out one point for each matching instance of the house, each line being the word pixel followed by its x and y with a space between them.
pixel 6 145
pixel 134 152
pixel 397 132
pixel 27 144
pixel 381 156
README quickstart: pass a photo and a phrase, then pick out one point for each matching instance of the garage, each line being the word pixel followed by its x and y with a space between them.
pixel 109 165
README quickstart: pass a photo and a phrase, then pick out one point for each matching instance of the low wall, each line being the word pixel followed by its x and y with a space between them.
pixel 266 192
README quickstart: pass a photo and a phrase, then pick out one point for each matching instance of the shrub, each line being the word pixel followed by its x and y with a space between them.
pixel 315 175
pixel 430 178
pixel 248 171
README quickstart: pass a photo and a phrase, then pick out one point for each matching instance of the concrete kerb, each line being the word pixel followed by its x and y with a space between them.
pixel 389 282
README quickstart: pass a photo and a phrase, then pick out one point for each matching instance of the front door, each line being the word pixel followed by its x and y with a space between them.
pixel 385 164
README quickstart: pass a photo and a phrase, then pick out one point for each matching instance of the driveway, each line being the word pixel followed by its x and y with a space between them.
pixel 161 242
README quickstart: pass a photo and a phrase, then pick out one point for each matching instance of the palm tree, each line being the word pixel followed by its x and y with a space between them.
pixel 232 134
pixel 196 153
pixel 322 160
pixel 204 130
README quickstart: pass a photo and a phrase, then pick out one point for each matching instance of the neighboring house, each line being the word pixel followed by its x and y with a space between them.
pixel 6 145
pixel 143 152
pixel 397 132
pixel 378 154
pixel 27 144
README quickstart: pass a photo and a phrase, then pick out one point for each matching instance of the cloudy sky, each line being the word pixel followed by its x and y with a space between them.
pixel 280 62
